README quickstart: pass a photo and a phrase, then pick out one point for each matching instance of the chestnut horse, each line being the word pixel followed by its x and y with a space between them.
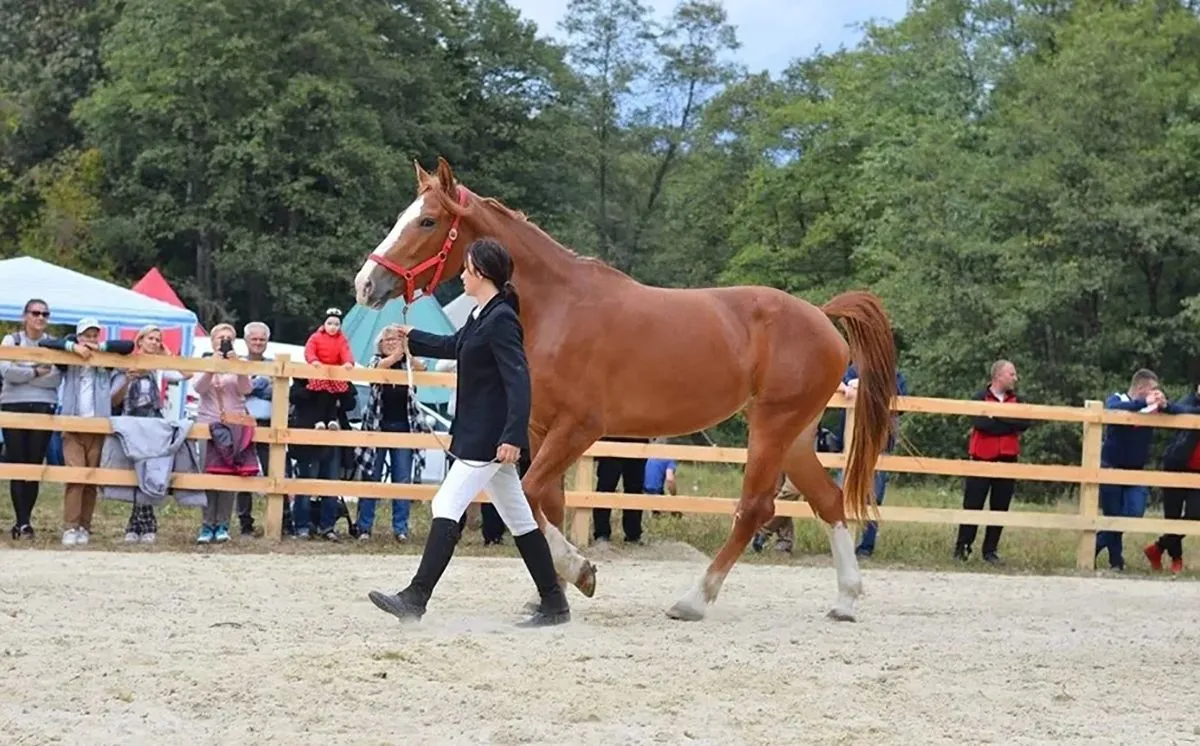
pixel 612 357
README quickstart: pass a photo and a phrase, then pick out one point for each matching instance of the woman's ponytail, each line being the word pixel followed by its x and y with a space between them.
pixel 509 291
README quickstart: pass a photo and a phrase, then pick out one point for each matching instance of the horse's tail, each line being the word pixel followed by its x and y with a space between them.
pixel 873 350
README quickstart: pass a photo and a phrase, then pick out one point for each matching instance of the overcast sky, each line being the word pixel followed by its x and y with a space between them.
pixel 772 32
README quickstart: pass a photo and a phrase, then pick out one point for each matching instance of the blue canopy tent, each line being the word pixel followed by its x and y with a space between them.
pixel 73 296
pixel 362 326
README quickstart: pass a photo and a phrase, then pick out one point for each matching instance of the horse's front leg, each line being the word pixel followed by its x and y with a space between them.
pixel 561 446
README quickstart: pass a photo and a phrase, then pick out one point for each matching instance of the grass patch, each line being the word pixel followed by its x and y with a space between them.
pixel 900 545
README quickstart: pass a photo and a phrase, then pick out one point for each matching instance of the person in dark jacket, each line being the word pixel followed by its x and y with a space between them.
pixel 1128 447
pixel 1182 454
pixel 991 439
pixel 490 430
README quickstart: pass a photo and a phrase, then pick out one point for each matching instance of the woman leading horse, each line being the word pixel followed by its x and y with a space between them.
pixel 610 356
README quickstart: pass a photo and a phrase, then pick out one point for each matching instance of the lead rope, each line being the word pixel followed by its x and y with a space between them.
pixel 414 403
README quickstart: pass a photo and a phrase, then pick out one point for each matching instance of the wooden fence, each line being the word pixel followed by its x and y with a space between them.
pixel 1088 475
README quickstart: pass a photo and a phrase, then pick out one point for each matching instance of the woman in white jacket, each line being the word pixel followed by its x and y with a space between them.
pixel 140 393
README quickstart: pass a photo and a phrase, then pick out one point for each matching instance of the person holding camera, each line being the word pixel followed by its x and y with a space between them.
pixel 222 399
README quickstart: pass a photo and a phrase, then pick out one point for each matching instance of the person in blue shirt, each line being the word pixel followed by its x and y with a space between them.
pixel 660 476
pixel 1128 447
pixel 849 389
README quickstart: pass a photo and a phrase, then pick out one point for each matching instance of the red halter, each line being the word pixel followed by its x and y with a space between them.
pixel 437 261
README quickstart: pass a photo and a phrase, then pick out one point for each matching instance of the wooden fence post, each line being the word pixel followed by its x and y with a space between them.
pixel 280 389
pixel 581 522
pixel 1089 492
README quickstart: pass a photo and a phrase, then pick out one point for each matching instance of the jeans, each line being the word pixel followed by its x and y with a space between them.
pixel 866 545
pixel 326 468
pixel 401 473
pixel 1125 501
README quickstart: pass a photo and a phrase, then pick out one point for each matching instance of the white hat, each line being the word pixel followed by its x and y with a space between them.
pixel 87 323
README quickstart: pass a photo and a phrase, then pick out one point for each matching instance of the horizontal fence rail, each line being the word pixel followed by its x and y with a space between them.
pixel 1088 475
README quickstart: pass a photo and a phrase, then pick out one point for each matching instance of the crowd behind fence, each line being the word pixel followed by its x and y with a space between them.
pixel 1088 475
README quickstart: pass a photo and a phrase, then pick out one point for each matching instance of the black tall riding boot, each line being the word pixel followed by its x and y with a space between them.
pixel 536 553
pixel 409 604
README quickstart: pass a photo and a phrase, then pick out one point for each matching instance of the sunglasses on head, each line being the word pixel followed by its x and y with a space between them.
pixel 40 314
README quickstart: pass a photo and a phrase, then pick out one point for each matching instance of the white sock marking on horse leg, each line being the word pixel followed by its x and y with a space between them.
pixel 694 604
pixel 849 580
pixel 567 559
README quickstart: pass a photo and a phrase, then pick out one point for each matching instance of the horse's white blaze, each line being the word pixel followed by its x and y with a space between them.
pixel 411 213
pixel 849 580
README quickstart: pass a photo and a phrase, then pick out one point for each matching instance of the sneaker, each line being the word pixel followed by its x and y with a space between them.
pixel 863 552
pixel 81 536
pixel 760 541
pixel 319 426
pixel 335 425
pixel 1177 566
pixel 991 558
pixel 1154 555
pixel 401 537
pixel 206 535
pixel 132 538
pixel 330 535
pixel 27 532
pixel 221 535
pixel 247 529
pixel 364 537
pixel 962 552
pixel 302 533
pixel 149 538
pixel 70 538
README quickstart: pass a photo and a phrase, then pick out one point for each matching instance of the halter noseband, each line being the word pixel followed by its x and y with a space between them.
pixel 437 261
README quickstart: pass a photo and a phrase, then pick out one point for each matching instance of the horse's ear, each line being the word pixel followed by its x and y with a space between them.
pixel 422 174
pixel 445 175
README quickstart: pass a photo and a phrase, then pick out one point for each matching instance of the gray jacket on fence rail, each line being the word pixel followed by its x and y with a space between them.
pixel 154 449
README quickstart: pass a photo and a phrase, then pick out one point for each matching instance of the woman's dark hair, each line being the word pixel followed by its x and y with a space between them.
pixel 491 260
pixel 34 302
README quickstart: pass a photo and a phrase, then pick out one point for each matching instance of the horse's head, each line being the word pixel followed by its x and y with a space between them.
pixel 424 247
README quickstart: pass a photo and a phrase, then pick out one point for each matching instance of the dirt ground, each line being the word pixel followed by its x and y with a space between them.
pixel 129 648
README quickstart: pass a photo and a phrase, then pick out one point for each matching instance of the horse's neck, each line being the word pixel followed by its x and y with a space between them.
pixel 545 273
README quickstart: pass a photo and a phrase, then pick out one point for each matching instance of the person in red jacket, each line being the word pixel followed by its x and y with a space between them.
pixel 328 346
pixel 992 439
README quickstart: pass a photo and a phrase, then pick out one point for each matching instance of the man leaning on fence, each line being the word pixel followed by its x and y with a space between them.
pixel 86 392
pixel 1128 447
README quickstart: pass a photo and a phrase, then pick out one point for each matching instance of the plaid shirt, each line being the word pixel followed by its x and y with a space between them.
pixel 364 457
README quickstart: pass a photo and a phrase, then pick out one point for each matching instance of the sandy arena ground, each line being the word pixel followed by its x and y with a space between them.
pixel 122 648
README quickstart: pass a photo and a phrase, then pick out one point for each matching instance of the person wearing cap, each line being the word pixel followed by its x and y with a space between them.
pixel 86 392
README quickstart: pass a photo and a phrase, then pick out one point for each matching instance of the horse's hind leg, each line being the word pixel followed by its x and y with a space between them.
pixel 770 434
pixel 825 498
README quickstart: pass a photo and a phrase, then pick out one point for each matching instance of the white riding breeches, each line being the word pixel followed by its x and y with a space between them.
pixel 499 481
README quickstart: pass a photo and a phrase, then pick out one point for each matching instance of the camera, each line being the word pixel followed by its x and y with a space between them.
pixel 226 347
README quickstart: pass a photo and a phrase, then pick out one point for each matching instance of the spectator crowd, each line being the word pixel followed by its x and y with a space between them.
pixel 232 405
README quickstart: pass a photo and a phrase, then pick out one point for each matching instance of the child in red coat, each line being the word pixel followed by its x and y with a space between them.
pixel 328 346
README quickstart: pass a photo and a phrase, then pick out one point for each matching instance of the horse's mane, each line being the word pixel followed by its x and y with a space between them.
pixel 520 217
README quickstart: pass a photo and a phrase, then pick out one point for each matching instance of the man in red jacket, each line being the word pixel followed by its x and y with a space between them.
pixel 992 439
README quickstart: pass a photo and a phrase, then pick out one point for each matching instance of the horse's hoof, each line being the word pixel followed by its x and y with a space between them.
pixel 841 615
pixel 685 612
pixel 586 583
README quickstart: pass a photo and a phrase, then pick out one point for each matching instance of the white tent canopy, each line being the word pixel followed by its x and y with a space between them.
pixel 73 296
pixel 459 309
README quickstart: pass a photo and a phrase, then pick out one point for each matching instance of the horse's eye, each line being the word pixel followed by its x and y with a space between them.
pixel 428 222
